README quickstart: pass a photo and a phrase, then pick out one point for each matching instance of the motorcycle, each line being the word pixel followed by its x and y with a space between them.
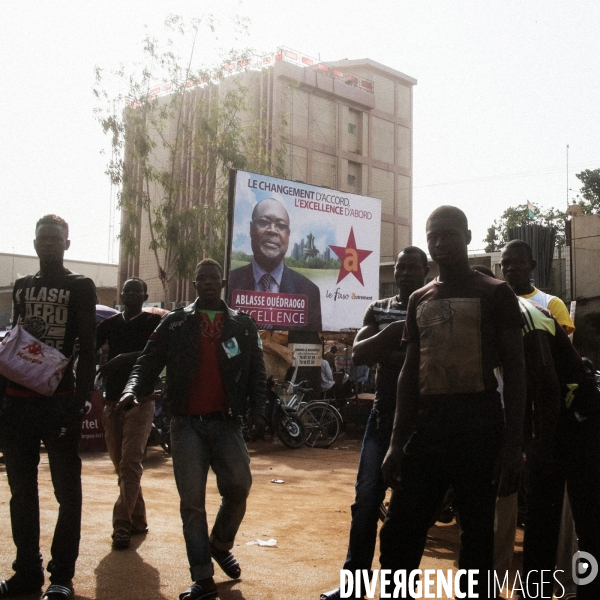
pixel 282 421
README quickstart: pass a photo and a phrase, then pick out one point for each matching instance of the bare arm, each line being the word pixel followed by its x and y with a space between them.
pixel 509 470
pixel 406 404
pixel 374 346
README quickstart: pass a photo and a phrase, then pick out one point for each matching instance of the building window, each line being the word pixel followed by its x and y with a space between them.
pixel 355 131
pixel 354 178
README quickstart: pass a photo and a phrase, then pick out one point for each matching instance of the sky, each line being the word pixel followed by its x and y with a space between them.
pixel 503 87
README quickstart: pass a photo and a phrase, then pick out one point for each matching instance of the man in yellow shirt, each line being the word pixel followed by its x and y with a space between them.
pixel 517 266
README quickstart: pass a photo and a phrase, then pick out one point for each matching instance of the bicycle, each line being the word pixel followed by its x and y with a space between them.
pixel 322 421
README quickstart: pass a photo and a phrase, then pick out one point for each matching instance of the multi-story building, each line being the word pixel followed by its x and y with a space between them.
pixel 347 125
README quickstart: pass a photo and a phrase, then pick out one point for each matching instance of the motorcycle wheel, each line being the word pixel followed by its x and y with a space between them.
pixel 165 442
pixel 291 431
pixel 165 434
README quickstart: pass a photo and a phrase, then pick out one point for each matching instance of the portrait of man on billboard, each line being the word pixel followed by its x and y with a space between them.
pixel 269 237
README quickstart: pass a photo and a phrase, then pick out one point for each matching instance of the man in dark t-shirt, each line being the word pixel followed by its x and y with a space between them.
pixel 126 433
pixel 57 307
pixel 449 428
pixel 379 342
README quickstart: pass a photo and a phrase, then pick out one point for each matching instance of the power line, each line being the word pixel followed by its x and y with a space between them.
pixel 529 173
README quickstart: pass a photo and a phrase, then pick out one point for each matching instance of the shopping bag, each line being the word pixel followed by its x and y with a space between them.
pixel 29 362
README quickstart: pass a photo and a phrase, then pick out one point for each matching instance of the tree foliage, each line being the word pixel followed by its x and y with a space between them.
pixel 514 216
pixel 589 195
pixel 172 150
pixel 588 198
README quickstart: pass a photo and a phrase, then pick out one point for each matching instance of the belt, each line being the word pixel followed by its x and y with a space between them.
pixel 212 416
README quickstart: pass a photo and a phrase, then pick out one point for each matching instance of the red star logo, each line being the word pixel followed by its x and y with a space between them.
pixel 351 258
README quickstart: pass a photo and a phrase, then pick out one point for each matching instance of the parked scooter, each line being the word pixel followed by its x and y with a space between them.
pixel 282 421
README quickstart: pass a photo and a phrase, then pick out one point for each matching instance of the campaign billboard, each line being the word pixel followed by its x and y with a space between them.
pixel 301 257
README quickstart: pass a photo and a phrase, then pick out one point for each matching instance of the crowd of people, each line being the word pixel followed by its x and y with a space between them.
pixel 478 387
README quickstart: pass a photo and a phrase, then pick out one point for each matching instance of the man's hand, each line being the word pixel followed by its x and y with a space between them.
pixel 127 402
pixel 391 466
pixel 509 471
pixel 256 426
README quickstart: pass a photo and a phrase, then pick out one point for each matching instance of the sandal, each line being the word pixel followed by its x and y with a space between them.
pixel 195 592
pixel 59 592
pixel 19 586
pixel 120 539
pixel 227 562
pixel 331 595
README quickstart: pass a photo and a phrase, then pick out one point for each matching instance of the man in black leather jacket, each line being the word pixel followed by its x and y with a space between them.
pixel 215 372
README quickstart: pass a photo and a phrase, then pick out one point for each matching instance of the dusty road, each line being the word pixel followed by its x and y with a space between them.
pixel 308 515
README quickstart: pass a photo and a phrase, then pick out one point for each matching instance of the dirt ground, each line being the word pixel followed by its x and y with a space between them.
pixel 308 515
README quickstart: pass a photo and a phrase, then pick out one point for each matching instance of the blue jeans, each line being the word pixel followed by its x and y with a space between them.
pixel 26 422
pixel 196 446
pixel 370 491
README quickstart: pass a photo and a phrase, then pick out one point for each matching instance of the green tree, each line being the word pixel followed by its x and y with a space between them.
pixel 588 198
pixel 589 195
pixel 514 216
pixel 183 128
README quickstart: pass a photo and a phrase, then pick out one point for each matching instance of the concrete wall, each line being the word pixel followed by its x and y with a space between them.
pixel 585 236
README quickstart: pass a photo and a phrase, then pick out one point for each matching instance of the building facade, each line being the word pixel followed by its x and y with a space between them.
pixel 347 125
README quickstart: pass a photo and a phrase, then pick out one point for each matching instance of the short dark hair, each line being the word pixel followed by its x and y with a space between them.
pixel 483 269
pixel 139 281
pixel 54 220
pixel 205 262
pixel 416 251
pixel 520 246
pixel 451 213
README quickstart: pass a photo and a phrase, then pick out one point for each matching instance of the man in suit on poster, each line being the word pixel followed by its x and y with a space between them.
pixel 270 237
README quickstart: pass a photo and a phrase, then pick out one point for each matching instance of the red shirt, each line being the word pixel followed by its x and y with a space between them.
pixel 206 393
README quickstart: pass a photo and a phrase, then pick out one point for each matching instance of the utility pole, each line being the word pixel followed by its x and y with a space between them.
pixel 567 175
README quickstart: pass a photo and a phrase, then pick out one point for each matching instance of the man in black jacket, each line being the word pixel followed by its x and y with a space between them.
pixel 214 366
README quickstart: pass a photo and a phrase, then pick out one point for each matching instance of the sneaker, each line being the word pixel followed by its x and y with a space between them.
pixel 120 539
pixel 136 531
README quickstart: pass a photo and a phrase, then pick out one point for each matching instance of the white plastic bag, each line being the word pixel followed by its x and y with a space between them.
pixel 31 363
